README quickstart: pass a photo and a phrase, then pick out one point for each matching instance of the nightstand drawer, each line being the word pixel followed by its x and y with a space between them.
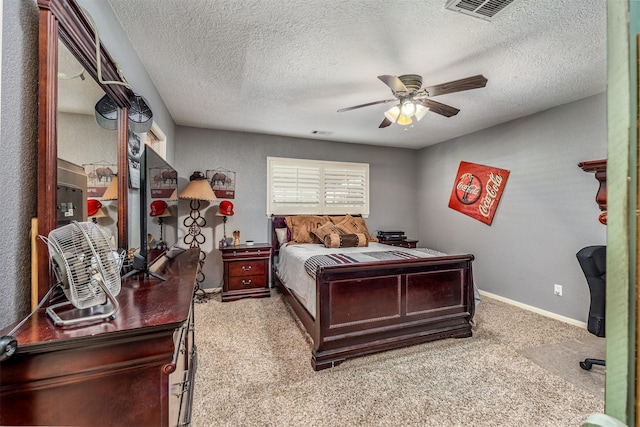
pixel 409 243
pixel 235 253
pixel 245 268
pixel 247 282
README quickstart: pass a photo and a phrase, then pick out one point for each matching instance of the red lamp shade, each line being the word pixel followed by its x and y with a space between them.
pixel 93 206
pixel 225 208
pixel 157 208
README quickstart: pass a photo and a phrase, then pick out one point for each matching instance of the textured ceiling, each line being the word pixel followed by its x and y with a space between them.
pixel 285 67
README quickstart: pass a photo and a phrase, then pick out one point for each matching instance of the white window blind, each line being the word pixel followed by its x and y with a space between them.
pixel 300 186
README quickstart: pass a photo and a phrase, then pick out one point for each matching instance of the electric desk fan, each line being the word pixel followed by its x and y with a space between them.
pixel 88 269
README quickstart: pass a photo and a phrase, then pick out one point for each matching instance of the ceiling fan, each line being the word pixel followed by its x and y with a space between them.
pixel 414 102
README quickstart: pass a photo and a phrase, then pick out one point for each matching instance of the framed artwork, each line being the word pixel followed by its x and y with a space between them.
pixel 134 152
pixel 477 190
pixel 99 176
pixel 223 183
pixel 163 182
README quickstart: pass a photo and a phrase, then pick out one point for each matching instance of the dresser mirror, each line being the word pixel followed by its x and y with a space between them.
pixel 65 35
pixel 84 144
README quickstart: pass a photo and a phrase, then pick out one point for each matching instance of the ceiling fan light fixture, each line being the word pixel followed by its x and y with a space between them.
pixel 421 111
pixel 408 108
pixel 404 121
pixel 392 113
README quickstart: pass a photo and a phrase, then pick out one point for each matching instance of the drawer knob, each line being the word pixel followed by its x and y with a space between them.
pixel 246 282
pixel 246 268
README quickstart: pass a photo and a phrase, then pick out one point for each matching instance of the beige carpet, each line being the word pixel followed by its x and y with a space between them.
pixel 254 370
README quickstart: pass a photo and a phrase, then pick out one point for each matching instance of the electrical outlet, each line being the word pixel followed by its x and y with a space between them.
pixel 557 290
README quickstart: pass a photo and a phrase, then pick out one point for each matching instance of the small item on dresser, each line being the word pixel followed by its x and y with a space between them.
pixel 345 240
pixel 236 238
pixel 249 242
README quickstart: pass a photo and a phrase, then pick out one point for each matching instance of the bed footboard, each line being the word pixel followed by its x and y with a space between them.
pixel 370 307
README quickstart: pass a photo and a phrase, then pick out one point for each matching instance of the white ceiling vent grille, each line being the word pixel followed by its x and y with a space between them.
pixel 483 9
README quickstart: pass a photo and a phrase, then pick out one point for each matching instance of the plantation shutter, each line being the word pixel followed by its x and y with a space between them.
pixel 295 186
pixel 300 186
pixel 344 188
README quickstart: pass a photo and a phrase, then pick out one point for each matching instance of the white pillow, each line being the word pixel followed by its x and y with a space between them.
pixel 281 233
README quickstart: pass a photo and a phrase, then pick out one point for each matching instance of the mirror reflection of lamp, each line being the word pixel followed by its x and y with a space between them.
pixel 111 193
pixel 95 210
pixel 224 210
pixel 198 189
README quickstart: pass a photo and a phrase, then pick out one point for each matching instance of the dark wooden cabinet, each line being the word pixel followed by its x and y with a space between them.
pixel 246 271
pixel 136 370
pixel 408 243
pixel 599 168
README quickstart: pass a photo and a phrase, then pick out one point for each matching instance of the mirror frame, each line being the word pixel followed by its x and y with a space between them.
pixel 64 20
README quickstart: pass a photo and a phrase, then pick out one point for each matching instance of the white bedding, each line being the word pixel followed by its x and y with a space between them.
pixel 292 274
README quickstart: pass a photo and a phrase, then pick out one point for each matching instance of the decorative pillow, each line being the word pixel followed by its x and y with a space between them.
pixel 353 225
pixel 281 233
pixel 327 228
pixel 345 240
pixel 336 219
pixel 301 227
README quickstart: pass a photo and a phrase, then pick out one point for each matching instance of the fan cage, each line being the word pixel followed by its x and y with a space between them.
pixel 82 255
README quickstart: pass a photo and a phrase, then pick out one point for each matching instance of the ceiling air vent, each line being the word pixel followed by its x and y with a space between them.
pixel 483 9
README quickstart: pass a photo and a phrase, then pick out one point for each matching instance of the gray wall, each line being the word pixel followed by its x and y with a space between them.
pixel 82 141
pixel 547 211
pixel 18 151
pixel 392 175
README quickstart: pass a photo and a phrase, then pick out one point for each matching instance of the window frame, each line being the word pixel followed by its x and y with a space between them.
pixel 358 170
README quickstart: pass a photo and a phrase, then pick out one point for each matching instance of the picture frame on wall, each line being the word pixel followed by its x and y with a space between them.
pixel 477 190
pixel 223 182
pixel 162 182
pixel 99 176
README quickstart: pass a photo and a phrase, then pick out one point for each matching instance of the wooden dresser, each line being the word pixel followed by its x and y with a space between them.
pixel 246 271
pixel 136 370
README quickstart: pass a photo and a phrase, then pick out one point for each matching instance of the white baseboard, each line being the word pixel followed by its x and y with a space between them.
pixel 537 310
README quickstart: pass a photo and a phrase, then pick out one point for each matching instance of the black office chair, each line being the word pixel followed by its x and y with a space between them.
pixel 593 260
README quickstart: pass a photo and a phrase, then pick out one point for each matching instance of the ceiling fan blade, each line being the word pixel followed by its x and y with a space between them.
pixel 386 122
pixel 438 108
pixel 394 83
pixel 474 82
pixel 365 105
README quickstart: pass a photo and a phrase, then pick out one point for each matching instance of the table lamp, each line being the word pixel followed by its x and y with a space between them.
pixel 198 189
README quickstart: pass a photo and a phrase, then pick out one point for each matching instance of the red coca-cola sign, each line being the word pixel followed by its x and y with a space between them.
pixel 477 190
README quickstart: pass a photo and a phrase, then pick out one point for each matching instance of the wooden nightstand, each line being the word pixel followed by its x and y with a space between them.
pixel 246 271
pixel 408 243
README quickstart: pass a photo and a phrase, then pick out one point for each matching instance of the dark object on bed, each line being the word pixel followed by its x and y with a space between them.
pixel 370 307
pixel 593 261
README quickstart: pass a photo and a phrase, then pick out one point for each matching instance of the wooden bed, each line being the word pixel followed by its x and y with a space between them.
pixel 369 307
